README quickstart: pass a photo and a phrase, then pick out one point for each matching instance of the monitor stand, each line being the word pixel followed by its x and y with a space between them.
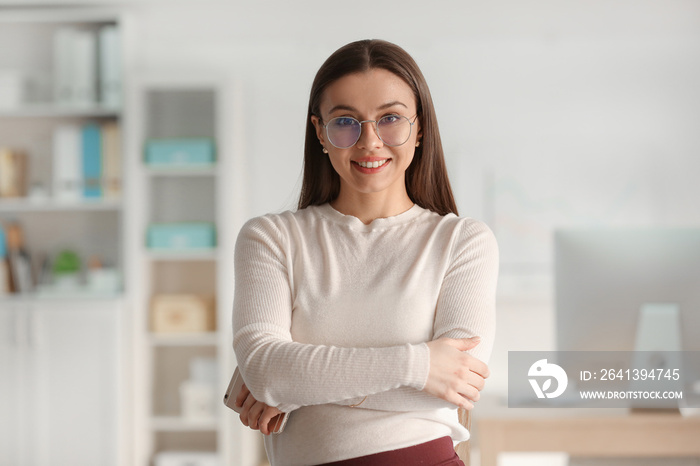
pixel 657 346
pixel 658 327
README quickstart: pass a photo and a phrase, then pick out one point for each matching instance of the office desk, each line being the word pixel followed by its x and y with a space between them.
pixel 634 435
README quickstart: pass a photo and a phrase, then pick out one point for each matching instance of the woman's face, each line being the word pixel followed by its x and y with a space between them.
pixel 369 95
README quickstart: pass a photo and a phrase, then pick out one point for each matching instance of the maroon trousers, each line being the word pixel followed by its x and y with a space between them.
pixel 438 452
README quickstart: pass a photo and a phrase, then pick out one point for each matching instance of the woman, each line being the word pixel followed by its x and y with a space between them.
pixel 361 312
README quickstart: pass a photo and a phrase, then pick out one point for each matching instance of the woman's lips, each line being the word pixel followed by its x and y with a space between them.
pixel 370 166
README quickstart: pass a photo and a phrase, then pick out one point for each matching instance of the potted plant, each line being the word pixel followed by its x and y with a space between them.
pixel 66 270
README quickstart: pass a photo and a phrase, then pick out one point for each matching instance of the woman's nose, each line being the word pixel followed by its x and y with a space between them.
pixel 369 139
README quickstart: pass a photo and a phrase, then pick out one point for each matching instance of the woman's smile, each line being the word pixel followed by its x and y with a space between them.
pixel 370 165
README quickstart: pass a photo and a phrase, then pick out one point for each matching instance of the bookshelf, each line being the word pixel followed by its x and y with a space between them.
pixel 64 350
pixel 184 105
pixel 44 189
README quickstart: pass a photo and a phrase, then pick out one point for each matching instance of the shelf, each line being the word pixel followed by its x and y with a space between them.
pixel 17 205
pixel 183 170
pixel 181 424
pixel 191 339
pixel 50 110
pixel 60 296
pixel 60 15
pixel 178 256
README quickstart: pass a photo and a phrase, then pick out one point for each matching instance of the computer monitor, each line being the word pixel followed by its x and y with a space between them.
pixel 603 277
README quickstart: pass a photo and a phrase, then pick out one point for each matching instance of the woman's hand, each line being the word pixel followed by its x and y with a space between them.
pixel 455 376
pixel 255 414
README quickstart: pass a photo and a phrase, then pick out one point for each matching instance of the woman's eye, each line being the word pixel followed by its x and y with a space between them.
pixel 344 121
pixel 390 119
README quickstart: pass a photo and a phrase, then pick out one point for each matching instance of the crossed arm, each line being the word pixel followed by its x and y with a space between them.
pixel 446 372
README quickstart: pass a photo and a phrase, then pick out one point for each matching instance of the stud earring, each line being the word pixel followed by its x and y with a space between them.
pixel 325 151
pixel 417 143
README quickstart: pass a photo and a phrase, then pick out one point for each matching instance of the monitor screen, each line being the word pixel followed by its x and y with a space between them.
pixel 603 277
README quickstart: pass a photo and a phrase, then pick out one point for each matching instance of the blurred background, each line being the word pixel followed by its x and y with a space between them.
pixel 136 137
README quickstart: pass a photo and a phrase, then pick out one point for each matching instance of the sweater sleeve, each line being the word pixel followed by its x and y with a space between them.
pixel 467 302
pixel 287 374
pixel 465 308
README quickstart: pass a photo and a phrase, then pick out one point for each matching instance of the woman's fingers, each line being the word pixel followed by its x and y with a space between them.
pixel 245 409
pixel 242 395
pixel 268 414
pixel 463 344
pixel 254 415
pixel 477 366
pixel 455 375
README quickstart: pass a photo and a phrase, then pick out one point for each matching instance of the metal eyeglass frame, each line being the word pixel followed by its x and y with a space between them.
pixel 376 129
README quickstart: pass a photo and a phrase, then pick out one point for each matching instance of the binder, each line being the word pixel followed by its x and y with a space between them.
pixel 112 160
pixel 67 170
pixel 92 161
pixel 110 66
pixel 84 68
pixel 63 65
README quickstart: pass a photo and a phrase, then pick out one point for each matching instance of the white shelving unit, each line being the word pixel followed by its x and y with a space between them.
pixel 63 354
pixel 90 226
pixel 144 369
pixel 180 105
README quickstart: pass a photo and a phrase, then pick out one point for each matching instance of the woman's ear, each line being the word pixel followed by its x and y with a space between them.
pixel 319 129
pixel 419 136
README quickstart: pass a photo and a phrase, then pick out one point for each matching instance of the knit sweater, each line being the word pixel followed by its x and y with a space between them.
pixel 329 310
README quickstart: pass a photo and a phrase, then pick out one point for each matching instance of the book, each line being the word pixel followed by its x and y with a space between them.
pixel 20 264
pixel 92 161
pixel 67 168
pixel 75 66
pixel 5 284
pixel 111 160
pixel 84 68
pixel 63 65
pixel 110 66
pixel 13 173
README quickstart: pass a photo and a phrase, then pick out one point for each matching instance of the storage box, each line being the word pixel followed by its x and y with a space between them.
pixel 198 400
pixel 182 313
pixel 186 458
pixel 181 236
pixel 177 152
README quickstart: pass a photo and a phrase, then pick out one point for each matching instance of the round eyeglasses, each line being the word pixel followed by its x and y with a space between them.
pixel 394 130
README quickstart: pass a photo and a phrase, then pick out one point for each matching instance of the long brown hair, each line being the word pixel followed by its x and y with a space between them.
pixel 427 183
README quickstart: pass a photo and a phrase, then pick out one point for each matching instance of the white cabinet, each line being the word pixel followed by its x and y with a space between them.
pixel 169 107
pixel 12 388
pixel 59 363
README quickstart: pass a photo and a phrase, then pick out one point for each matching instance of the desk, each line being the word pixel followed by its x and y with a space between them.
pixel 635 435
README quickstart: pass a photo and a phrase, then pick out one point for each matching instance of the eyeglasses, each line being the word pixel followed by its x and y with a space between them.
pixel 394 130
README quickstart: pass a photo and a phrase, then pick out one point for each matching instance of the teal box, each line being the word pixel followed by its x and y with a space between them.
pixel 181 236
pixel 170 152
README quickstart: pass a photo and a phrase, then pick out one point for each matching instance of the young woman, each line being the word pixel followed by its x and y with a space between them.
pixel 369 312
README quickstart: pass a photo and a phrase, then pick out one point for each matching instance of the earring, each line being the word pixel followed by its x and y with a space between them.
pixel 417 143
pixel 325 151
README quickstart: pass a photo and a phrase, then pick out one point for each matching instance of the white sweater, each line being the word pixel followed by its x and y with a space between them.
pixel 328 310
